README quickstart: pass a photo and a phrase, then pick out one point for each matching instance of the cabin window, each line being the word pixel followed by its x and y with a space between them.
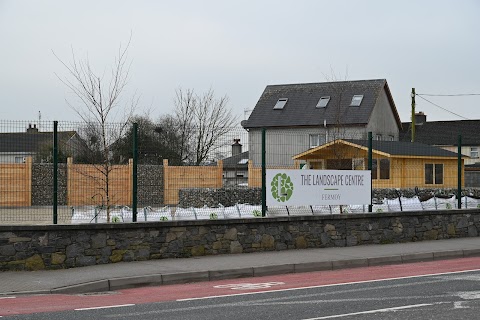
pixel 381 169
pixel 433 173
pixel 384 168
pixel 358 164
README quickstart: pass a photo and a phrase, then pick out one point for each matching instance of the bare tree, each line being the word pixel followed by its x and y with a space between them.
pixel 101 103
pixel 202 120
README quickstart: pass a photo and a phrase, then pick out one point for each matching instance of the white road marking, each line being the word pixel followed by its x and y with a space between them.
pixel 105 307
pixel 459 305
pixel 249 286
pixel 373 311
pixel 11 297
pixel 329 285
pixel 468 295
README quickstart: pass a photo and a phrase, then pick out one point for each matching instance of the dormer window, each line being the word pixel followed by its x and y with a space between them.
pixel 322 103
pixel 280 104
pixel 356 100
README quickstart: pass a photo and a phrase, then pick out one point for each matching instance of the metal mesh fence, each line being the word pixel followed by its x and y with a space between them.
pixel 192 174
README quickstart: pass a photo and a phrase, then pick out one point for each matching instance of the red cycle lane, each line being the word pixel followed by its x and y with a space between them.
pixel 60 302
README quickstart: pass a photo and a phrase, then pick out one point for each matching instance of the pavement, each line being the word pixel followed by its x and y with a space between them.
pixel 115 276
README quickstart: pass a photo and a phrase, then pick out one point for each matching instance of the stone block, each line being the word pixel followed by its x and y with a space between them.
pixel 301 243
pixel 117 255
pixel 58 258
pixel 7 250
pixel 236 247
pixel 268 242
pixel 84 261
pixel 198 251
pixel 99 240
pixel 230 234
pixel 34 263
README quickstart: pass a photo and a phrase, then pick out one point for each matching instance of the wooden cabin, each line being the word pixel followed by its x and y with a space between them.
pixel 395 164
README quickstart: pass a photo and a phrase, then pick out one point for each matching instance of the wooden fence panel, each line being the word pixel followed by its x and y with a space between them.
pixel 16 184
pixel 180 177
pixel 87 184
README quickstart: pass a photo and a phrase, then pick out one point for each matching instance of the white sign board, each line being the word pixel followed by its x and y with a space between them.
pixel 318 187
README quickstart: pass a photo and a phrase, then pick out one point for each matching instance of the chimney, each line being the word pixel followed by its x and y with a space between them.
pixel 420 118
pixel 31 129
pixel 236 147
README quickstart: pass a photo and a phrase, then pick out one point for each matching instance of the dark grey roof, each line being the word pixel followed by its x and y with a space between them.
pixel 444 132
pixel 29 142
pixel 302 98
pixel 233 161
pixel 403 148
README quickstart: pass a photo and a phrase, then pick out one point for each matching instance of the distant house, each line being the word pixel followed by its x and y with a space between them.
pixel 444 134
pixel 15 147
pixel 396 164
pixel 302 116
pixel 235 167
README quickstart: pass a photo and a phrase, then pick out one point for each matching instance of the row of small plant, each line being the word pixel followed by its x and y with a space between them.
pixel 213 216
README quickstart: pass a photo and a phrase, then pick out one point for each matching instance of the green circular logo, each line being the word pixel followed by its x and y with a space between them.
pixel 282 187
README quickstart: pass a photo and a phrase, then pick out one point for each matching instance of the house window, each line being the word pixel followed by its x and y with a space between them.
pixel 381 169
pixel 433 173
pixel 322 103
pixel 378 137
pixel 391 138
pixel 474 152
pixel 280 104
pixel 356 100
pixel 315 140
pixel 19 160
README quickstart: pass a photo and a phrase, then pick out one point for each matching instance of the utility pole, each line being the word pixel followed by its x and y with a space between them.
pixel 413 114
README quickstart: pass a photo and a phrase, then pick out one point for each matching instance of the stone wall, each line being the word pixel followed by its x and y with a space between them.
pixel 211 197
pixel 42 184
pixel 66 246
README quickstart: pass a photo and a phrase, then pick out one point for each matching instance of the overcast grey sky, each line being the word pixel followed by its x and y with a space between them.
pixel 239 47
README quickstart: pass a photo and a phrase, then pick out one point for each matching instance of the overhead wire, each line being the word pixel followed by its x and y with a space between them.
pixel 442 107
pixel 448 95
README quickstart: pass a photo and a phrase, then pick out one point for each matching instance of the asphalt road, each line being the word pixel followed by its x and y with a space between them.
pixel 448 295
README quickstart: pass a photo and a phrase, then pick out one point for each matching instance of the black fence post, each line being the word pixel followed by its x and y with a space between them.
pixel 264 174
pixel 459 172
pixel 55 172
pixel 134 178
pixel 370 164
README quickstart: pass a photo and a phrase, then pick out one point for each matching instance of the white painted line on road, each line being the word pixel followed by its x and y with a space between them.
pixel 329 285
pixel 11 297
pixel 373 311
pixel 105 307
